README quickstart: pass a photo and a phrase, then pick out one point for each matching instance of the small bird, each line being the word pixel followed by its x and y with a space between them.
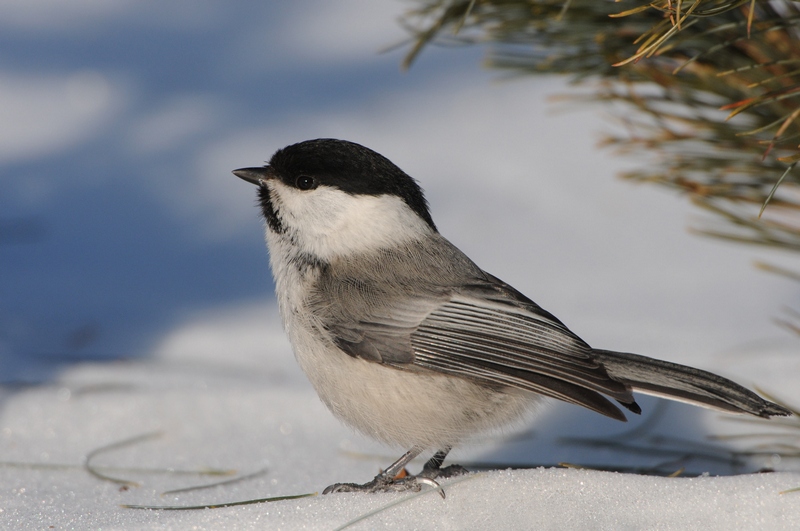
pixel 406 340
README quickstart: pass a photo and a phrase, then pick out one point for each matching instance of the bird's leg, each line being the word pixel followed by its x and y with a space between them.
pixel 385 481
pixel 433 468
pixel 398 466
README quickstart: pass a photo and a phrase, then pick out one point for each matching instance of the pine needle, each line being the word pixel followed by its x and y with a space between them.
pixel 774 189
pixel 461 22
pixel 750 16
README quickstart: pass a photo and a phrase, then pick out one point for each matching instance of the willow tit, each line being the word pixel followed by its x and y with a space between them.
pixel 408 341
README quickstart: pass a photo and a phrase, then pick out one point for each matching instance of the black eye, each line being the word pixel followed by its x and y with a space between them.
pixel 305 182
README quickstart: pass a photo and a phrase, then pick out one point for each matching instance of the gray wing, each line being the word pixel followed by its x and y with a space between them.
pixel 490 333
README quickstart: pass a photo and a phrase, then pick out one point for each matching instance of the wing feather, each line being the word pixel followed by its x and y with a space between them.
pixel 486 332
pixel 512 344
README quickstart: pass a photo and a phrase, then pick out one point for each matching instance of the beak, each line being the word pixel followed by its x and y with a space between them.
pixel 255 176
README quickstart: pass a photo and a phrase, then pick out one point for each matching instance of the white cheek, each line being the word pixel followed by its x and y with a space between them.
pixel 327 222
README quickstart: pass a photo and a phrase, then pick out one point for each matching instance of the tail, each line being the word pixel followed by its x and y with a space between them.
pixel 685 384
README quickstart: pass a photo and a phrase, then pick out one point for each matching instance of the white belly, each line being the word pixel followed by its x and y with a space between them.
pixel 403 407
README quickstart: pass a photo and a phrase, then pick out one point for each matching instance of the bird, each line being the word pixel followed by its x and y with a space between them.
pixel 408 341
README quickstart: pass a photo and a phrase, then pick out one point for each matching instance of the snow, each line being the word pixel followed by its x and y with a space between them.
pixel 139 334
pixel 223 393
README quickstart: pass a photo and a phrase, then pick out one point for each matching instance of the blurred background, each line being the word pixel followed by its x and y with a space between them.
pixel 121 122
pixel 120 221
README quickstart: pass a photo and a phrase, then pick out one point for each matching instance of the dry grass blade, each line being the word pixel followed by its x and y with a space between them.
pixel 218 505
pixel 215 484
pixel 677 473
pixel 111 447
pixel 117 469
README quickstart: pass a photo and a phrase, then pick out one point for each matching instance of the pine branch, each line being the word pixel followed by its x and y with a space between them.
pixel 714 86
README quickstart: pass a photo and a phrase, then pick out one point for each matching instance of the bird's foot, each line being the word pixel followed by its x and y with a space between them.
pixel 406 483
pixel 383 483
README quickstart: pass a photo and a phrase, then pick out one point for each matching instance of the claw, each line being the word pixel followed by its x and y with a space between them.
pixel 431 483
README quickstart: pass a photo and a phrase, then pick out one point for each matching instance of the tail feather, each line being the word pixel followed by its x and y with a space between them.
pixel 685 384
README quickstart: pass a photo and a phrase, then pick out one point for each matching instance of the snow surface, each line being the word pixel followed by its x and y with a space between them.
pixel 138 331
pixel 223 393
